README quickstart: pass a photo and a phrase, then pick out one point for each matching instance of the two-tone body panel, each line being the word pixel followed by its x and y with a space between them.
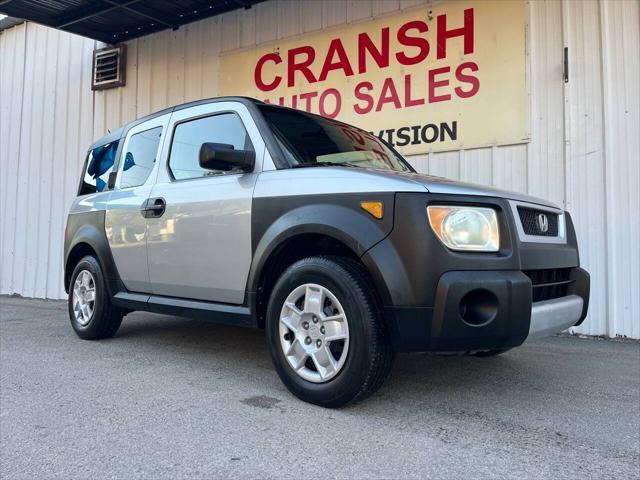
pixel 211 245
pixel 200 248
pixel 125 226
pixel 426 282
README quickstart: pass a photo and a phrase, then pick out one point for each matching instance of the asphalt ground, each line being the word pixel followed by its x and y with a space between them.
pixel 172 398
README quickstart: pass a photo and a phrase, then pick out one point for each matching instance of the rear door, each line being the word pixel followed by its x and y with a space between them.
pixel 125 222
pixel 200 248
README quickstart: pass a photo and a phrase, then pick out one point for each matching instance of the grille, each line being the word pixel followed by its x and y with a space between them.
pixel 549 283
pixel 529 220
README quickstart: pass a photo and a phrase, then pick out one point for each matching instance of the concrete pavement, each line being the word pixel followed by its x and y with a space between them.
pixel 173 398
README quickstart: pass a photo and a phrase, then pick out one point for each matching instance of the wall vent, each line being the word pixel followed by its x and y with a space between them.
pixel 109 67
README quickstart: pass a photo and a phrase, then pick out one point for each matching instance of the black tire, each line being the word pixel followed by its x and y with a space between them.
pixel 106 318
pixel 489 353
pixel 370 355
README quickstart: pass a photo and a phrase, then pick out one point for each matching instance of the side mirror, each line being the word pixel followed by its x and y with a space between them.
pixel 220 156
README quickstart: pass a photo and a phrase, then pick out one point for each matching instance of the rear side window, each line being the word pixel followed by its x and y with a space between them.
pixel 140 157
pixel 98 167
pixel 224 128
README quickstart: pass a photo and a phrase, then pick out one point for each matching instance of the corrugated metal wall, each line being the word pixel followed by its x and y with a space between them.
pixel 620 40
pixel 583 154
pixel 46 117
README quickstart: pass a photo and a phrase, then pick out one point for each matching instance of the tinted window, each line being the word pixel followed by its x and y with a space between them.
pixel 226 128
pixel 99 165
pixel 312 140
pixel 140 157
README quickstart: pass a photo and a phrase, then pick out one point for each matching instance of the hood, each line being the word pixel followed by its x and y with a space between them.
pixel 442 185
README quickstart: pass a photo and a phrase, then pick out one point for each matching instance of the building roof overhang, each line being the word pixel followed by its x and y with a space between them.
pixel 115 21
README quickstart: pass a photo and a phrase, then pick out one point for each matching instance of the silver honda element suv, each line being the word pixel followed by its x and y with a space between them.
pixel 234 211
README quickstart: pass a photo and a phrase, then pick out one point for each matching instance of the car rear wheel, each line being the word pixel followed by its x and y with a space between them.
pixel 325 332
pixel 90 310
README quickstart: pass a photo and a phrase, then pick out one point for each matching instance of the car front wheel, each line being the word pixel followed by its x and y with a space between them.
pixel 325 332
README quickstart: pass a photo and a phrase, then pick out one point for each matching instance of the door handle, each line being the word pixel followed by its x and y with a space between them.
pixel 153 207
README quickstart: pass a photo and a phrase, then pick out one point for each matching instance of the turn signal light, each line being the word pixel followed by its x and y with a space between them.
pixel 374 208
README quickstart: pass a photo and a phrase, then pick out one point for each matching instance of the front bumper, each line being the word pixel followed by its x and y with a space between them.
pixel 439 300
pixel 555 315
pixel 486 310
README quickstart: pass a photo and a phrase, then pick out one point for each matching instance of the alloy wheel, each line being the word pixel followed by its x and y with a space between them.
pixel 314 333
pixel 84 297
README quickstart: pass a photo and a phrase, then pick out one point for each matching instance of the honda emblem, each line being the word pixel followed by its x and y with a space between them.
pixel 543 223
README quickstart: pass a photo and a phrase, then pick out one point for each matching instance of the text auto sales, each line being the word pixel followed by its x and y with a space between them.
pixel 302 64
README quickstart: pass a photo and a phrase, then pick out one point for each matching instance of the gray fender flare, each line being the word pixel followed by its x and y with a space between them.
pixel 356 229
pixel 88 228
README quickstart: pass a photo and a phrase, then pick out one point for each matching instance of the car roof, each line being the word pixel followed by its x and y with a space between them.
pixel 122 131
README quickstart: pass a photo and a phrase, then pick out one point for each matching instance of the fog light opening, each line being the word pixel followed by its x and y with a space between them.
pixel 478 307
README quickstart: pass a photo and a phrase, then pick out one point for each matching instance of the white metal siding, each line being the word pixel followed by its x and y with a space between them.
pixel 46 113
pixel 583 154
pixel 620 40
pixel 585 186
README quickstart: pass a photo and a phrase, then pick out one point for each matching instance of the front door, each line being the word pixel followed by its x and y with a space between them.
pixel 125 222
pixel 200 248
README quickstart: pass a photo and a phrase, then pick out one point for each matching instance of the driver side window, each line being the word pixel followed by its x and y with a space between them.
pixel 188 137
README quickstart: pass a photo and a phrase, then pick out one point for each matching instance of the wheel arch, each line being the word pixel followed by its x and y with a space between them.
pixel 78 252
pixel 85 235
pixel 309 231
pixel 286 253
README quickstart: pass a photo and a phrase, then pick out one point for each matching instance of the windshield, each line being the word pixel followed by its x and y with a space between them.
pixel 311 140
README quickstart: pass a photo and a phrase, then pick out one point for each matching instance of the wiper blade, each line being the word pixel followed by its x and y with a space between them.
pixel 324 164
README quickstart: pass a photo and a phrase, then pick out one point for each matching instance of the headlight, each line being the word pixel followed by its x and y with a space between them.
pixel 472 229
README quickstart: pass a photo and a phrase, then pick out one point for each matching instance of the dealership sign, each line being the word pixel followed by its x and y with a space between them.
pixel 436 78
